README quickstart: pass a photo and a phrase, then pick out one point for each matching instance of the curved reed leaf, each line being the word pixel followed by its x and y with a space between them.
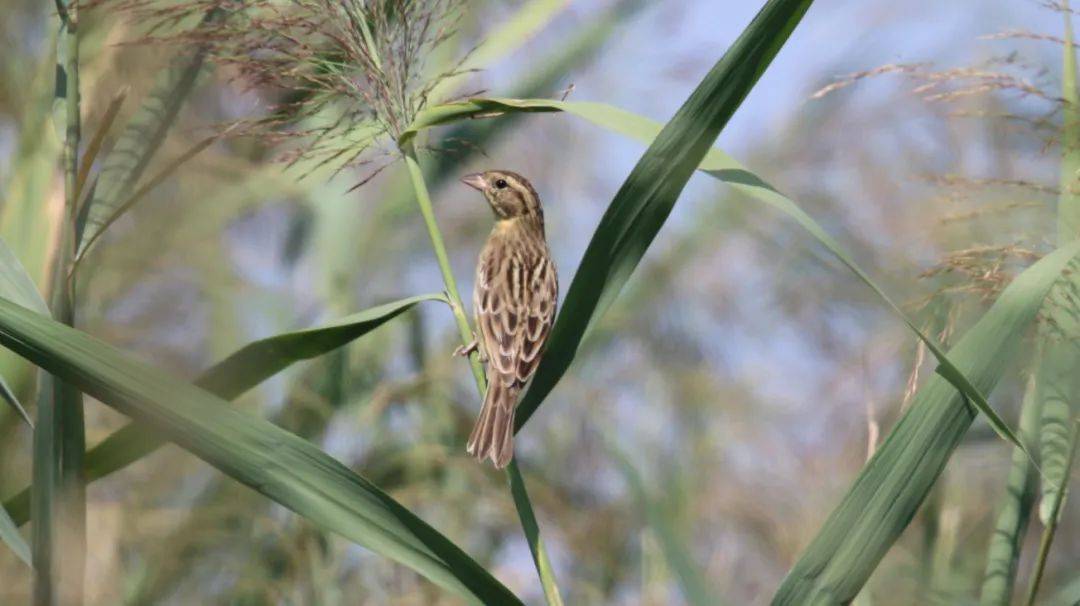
pixel 284 467
pixel 229 379
pixel 893 484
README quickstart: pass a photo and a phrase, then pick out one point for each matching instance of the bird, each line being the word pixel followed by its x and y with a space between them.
pixel 514 303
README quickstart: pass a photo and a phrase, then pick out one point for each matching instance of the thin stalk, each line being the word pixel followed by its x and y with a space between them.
pixel 59 490
pixel 517 483
pixel 423 198
pixel 1051 525
pixel 532 533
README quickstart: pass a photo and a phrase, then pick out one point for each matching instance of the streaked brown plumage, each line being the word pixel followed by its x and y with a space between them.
pixel 514 303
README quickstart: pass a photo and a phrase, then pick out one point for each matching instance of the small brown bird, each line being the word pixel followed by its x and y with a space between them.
pixel 514 301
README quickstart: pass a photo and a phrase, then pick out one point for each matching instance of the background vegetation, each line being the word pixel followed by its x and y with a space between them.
pixel 709 442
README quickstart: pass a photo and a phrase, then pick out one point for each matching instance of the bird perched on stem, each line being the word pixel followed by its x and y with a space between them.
pixel 514 303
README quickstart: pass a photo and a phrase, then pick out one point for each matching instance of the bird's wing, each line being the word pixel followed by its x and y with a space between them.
pixel 515 300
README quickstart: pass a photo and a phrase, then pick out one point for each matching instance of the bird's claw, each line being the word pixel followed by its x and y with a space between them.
pixel 465 350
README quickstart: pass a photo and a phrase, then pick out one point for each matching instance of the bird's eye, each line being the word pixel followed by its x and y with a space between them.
pixel 500 184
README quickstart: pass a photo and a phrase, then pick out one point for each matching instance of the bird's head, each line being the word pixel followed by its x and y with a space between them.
pixel 509 194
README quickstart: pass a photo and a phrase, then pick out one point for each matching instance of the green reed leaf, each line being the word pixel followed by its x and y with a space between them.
pixel 229 379
pixel 893 484
pixel 280 465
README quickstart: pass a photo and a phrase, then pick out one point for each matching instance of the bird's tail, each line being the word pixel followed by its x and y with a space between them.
pixel 493 435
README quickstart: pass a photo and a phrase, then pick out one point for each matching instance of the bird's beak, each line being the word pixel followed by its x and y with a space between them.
pixel 475 181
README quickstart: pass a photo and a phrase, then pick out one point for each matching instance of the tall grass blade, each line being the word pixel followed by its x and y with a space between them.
pixel 284 467
pixel 230 378
pixel 531 529
pixel 1021 487
pixel 17 286
pixel 1059 382
pixel 893 484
